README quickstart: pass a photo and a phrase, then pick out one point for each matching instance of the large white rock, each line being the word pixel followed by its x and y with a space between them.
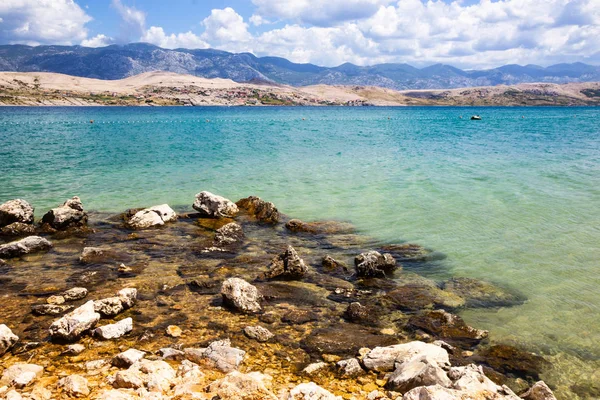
pixel 69 214
pixel 311 391
pixel 421 371
pixel 17 210
pixel 7 339
pixel 30 244
pixel 113 331
pixel 128 358
pixel 386 358
pixel 75 323
pixel 214 206
pixel 112 306
pixel 74 385
pixel 21 375
pixel 241 295
pixel 153 216
pixel 219 355
pixel 237 386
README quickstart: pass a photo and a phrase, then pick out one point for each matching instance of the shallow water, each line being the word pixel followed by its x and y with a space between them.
pixel 508 199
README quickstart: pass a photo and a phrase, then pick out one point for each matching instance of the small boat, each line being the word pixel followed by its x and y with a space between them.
pixel 476 118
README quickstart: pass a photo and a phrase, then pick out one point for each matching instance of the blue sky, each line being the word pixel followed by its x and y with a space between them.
pixel 463 33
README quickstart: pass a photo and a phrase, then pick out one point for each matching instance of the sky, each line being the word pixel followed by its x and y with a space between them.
pixel 467 34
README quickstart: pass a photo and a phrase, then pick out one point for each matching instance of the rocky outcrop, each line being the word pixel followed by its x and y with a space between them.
pixel 236 385
pixel 153 216
pixel 219 355
pixel 17 210
pixel 386 358
pixel 240 295
pixel 263 211
pixel 287 265
pixel 21 375
pixel 229 235
pixel 372 264
pixel 311 391
pixel 73 325
pixel 213 206
pixel 74 385
pixel 116 330
pixel 448 327
pixel 258 333
pixel 70 214
pixel 7 339
pixel 31 244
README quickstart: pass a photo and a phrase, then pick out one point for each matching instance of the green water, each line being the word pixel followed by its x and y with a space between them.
pixel 508 199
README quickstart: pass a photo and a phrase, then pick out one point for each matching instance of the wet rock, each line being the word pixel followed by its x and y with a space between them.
pixel 229 235
pixel 311 391
pixel 417 297
pixel 70 214
pixel 298 317
pixel 344 340
pixel 408 252
pixel 511 360
pixel 113 331
pixel 7 339
pixel 73 325
pixel 258 333
pixel 169 353
pixel 356 312
pixel 21 375
pixel 419 371
pixel 314 368
pixel 17 210
pixel 482 294
pixel 241 295
pixel 263 211
pixel 127 358
pixel 385 358
pixel 74 349
pixel 287 265
pixel 448 327
pixel 319 227
pixel 56 299
pixel 471 378
pixel 109 307
pixel 18 229
pixel 214 206
pixel 173 331
pixel 218 354
pixel 31 244
pixel 539 391
pixel 74 385
pixel 238 386
pixel 350 367
pixel 332 264
pixel 348 295
pixel 152 216
pixel 76 293
pixel 50 309
pixel 91 255
pixel 128 296
pixel 374 264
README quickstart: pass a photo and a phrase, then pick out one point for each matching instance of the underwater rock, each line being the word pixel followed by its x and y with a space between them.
pixel 511 360
pixel 539 391
pixel 258 333
pixel 7 339
pixel 127 358
pixel 17 210
pixel 287 265
pixel 356 312
pixel 109 307
pixel 116 330
pixel 152 216
pixel 21 375
pixel 17 229
pixel 76 293
pixel 331 264
pixel 408 252
pixel 344 340
pixel 263 211
pixel 229 235
pixel 350 368
pixel 74 385
pixel 374 264
pixel 241 295
pixel 319 227
pixel 31 244
pixel 478 293
pixel 299 317
pixel 236 385
pixel 448 327
pixel 417 297
pixel 214 206
pixel 385 358
pixel 73 325
pixel 311 391
pixel 50 309
pixel 219 355
pixel 70 214
pixel 419 371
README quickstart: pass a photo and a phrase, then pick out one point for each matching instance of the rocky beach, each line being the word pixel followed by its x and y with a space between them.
pixel 229 300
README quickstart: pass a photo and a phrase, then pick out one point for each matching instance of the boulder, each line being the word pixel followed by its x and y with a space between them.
pixel 153 216
pixel 18 229
pixel 471 378
pixel 287 265
pixel 373 264
pixel 385 358
pixel 73 325
pixel 448 327
pixel 76 293
pixel 350 367
pixel 21 375
pixel 479 293
pixel 238 386
pixel 31 244
pixel 113 331
pixel 17 210
pixel 50 309
pixel 68 215
pixel 214 206
pixel 229 235
pixel 219 355
pixel 127 358
pixel 539 391
pixel 258 333
pixel 7 339
pixel 74 385
pixel 241 295
pixel 419 371
pixel 263 211
pixel 311 391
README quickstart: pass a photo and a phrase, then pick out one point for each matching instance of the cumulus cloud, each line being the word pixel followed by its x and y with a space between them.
pixel 42 22
pixel 98 41
pixel 226 29
pixel 156 35
pixel 255 20
pixel 133 21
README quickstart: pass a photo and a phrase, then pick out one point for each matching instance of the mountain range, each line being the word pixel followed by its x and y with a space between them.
pixel 121 61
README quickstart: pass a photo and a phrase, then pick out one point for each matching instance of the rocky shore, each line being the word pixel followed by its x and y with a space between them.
pixel 237 301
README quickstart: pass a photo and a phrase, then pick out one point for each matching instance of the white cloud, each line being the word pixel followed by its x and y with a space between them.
pixel 97 41
pixel 156 35
pixel 255 20
pixel 42 22
pixel 133 21
pixel 226 29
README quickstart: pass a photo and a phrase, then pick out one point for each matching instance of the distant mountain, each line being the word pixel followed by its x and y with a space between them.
pixel 116 62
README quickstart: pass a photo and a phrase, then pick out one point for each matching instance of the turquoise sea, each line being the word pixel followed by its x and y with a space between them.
pixel 513 198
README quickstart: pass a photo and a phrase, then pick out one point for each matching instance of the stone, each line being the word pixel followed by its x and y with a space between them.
pixel 76 293
pixel 17 210
pixel 113 331
pixel 56 299
pixel 18 229
pixel 73 325
pixel 13 395
pixel 189 370
pixel 70 214
pixel 109 307
pixel 168 353
pixel 448 327
pixel 350 367
pixel 539 391
pixel 434 392
pixel 50 309
pixel 372 264
pixel 263 211
pixel 128 379
pixel 115 395
pixel 238 386
pixel 479 293
pixel 311 391
pixel 415 297
pixel 240 295
pixel 507 359
pixel 343 340
pixel 74 385
pixel 287 265
pixel 419 371
pixel 472 379
pixel 128 296
pixel 214 206
pixel 319 227
pixel 95 365
pixel 356 312
pixel 298 317
pixel 314 368
pixel 90 255
pixel 73 349
pixel 258 333
pixel 157 374
pixel 127 358
pixel 21 375
pixel 331 263
pixel 229 235
pixel 219 355
pixel 174 331
pixel 30 244
pixel 7 339
pixel 385 358
pixel 152 216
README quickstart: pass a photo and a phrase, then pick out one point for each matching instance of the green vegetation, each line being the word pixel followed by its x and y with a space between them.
pixel 591 92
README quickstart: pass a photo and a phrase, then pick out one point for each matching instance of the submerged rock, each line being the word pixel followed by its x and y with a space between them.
pixel 229 235
pixel 414 297
pixel 482 294
pixel 356 312
pixel 76 293
pixel 214 206
pixel 311 391
pixel 152 216
pixel 373 264
pixel 408 252
pixel 287 265
pixel 70 214
pixel 17 210
pixel 332 264
pixel 263 211
pixel 241 295
pixel 319 227
pixel 448 327
pixel 18 229
pixel 539 391
pixel 511 360
pixel 219 355
pixel 344 340
pixel 31 244
pixel 116 330
pixel 258 333
pixel 50 309
pixel 7 339
pixel 73 325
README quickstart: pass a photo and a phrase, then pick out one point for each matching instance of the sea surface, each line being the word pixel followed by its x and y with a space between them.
pixel 513 199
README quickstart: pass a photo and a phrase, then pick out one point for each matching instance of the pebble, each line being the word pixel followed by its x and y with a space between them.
pixel 174 331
